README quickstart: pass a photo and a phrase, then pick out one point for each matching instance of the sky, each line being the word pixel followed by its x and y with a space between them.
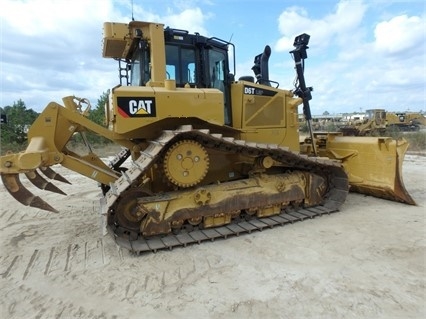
pixel 362 54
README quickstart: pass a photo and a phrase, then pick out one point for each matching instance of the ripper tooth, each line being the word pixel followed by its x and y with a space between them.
pixel 38 181
pixel 53 175
pixel 23 195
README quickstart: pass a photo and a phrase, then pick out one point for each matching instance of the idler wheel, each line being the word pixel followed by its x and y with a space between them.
pixel 128 213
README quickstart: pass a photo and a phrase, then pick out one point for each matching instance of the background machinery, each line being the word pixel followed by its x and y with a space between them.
pixel 378 121
pixel 373 124
pixel 211 156
pixel 405 121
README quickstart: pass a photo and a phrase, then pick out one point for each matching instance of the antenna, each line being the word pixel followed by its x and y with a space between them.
pixel 133 19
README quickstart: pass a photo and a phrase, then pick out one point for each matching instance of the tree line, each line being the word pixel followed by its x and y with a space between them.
pixel 16 119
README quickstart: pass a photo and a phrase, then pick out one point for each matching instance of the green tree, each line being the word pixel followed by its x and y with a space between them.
pixel 19 119
pixel 97 115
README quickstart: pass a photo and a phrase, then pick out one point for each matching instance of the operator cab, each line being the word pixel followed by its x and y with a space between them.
pixel 196 60
pixel 152 54
pixel 377 115
pixel 192 61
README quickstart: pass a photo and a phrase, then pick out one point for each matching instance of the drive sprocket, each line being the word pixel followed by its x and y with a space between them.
pixel 186 163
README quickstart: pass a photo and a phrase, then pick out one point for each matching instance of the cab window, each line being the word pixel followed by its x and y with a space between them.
pixel 180 65
pixel 217 69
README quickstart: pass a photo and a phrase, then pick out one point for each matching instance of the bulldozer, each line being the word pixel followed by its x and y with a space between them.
pixel 375 123
pixel 378 121
pixel 405 121
pixel 204 155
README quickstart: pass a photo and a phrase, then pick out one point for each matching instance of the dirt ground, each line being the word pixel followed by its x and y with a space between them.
pixel 366 261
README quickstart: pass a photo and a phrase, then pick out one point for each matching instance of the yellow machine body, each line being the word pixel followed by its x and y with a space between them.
pixel 206 148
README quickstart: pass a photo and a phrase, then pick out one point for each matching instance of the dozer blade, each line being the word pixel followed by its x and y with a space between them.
pixel 53 175
pixel 373 165
pixel 23 195
pixel 35 178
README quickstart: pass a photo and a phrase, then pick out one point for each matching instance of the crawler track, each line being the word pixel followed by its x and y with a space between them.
pixel 336 179
pixel 197 236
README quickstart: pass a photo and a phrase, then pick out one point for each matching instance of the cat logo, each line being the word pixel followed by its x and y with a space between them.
pixel 140 107
pixel 136 107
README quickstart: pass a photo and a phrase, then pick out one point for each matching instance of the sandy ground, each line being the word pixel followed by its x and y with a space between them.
pixel 367 261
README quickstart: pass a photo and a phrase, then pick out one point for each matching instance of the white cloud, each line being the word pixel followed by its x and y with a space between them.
pixel 333 28
pixel 187 16
pixel 52 48
pixel 45 17
pixel 192 20
pixel 358 59
pixel 400 34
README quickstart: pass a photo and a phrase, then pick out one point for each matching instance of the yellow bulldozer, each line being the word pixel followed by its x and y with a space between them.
pixel 378 121
pixel 374 124
pixel 205 155
pixel 405 121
